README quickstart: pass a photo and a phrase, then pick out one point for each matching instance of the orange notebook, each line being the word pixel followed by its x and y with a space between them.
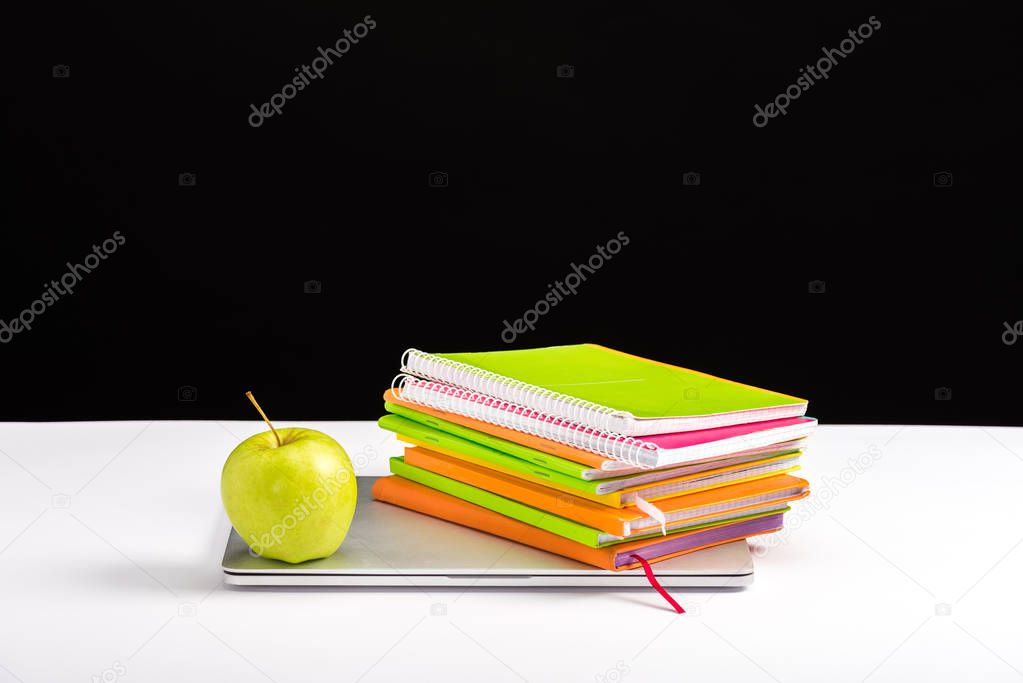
pixel 546 445
pixel 413 496
pixel 636 495
pixel 738 499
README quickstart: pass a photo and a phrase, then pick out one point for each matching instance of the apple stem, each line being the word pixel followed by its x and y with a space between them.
pixel 265 418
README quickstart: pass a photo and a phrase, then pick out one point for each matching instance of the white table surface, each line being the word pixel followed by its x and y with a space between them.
pixel 111 536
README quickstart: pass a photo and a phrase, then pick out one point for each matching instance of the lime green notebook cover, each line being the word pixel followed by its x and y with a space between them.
pixel 623 382
pixel 567 528
pixel 531 455
pixel 401 425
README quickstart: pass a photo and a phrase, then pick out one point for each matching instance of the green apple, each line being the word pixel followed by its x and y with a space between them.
pixel 293 501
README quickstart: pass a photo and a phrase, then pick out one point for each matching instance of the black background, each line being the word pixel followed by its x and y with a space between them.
pixel 208 289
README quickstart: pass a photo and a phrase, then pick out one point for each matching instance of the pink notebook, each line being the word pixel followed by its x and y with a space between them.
pixel 657 450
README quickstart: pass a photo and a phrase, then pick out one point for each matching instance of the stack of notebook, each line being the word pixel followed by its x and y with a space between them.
pixel 604 457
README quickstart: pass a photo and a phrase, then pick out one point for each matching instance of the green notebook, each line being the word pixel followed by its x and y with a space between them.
pixel 442 440
pixel 530 455
pixel 614 492
pixel 453 436
pixel 594 538
pixel 606 389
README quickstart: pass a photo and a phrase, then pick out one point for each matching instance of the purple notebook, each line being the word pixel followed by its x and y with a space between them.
pixel 718 534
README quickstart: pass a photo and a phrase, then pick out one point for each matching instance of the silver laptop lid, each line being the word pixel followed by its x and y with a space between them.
pixel 391 546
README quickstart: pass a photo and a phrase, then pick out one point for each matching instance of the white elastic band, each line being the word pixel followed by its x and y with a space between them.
pixel 654 512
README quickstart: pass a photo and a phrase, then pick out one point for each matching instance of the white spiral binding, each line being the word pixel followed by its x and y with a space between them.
pixel 510 415
pixel 429 366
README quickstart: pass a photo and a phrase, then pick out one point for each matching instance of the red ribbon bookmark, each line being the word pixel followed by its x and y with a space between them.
pixel 656 584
